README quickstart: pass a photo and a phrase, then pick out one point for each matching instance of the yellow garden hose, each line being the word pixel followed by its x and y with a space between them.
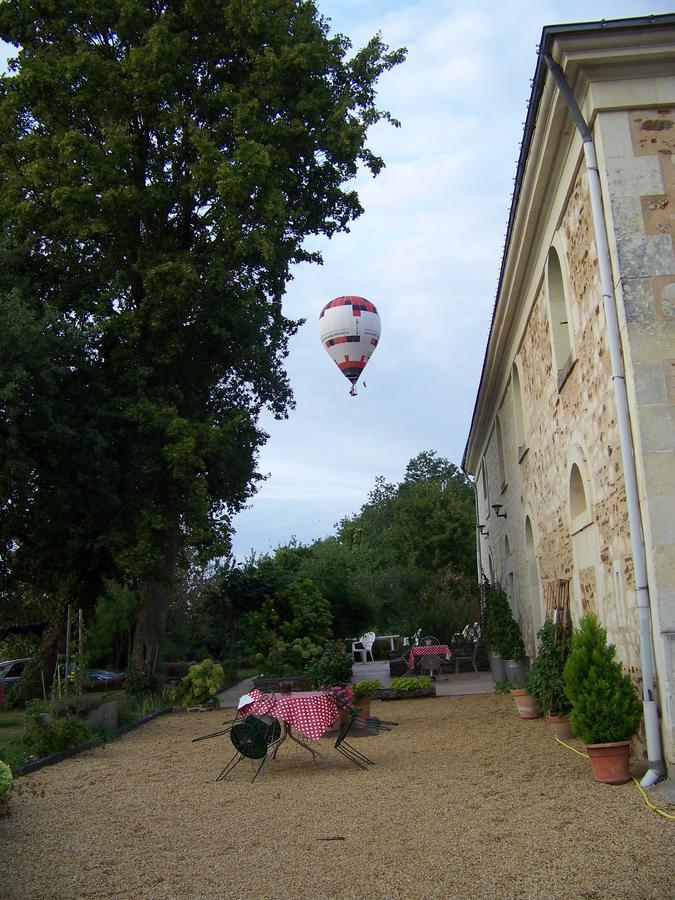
pixel 661 812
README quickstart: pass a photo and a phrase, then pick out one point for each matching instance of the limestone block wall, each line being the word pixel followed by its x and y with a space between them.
pixel 637 155
pixel 573 423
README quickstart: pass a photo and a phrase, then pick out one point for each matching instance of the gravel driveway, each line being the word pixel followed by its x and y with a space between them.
pixel 465 800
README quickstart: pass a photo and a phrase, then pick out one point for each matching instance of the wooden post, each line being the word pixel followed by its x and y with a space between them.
pixel 80 658
pixel 67 666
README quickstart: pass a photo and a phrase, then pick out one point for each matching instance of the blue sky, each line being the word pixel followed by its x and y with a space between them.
pixel 427 252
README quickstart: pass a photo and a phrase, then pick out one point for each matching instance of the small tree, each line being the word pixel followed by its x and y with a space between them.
pixel 605 705
pixel 500 629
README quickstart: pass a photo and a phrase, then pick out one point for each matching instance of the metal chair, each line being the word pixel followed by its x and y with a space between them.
pixel 430 664
pixel 255 737
pixel 469 657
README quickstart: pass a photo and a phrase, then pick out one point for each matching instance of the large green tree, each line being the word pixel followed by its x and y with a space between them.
pixel 161 163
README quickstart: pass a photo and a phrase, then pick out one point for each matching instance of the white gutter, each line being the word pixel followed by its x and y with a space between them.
pixel 654 752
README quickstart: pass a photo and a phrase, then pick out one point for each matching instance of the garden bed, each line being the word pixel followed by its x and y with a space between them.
pixel 391 694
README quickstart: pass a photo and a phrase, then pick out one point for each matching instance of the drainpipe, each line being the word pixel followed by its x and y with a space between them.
pixel 654 752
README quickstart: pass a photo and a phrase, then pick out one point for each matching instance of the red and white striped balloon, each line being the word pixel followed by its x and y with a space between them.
pixel 350 332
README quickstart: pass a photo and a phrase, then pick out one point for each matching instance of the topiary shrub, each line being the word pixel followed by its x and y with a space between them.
pixel 605 703
pixel 202 681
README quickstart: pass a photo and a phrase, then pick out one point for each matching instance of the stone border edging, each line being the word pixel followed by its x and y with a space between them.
pixel 87 745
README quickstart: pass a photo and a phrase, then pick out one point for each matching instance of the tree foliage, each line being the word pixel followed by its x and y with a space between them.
pixel 161 164
pixel 605 705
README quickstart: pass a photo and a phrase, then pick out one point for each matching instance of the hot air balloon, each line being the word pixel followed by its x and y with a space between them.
pixel 350 331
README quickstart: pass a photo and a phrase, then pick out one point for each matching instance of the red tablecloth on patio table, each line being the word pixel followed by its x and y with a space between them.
pixel 427 650
pixel 309 712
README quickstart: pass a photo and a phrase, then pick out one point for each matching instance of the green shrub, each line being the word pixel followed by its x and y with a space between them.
pixel 502 687
pixel 407 683
pixel 142 681
pixel 546 682
pixel 58 733
pixel 366 688
pixel 605 704
pixel 5 778
pixel 500 629
pixel 333 667
pixel 202 681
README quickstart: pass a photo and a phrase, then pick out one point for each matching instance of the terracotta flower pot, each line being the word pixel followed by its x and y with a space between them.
pixel 525 704
pixel 610 763
pixel 561 727
pixel 363 706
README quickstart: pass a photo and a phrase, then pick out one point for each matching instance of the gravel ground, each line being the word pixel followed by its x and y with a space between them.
pixel 465 800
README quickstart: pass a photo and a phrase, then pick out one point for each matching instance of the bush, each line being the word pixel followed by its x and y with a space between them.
pixel 333 667
pixel 407 683
pixel 5 778
pixel 142 681
pixel 202 681
pixel 367 687
pixel 546 682
pixel 58 733
pixel 605 704
pixel 500 630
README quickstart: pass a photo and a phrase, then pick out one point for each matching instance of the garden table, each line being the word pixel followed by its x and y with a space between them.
pixel 427 650
pixel 311 713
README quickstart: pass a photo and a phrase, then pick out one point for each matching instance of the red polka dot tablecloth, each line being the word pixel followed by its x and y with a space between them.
pixel 309 712
pixel 428 650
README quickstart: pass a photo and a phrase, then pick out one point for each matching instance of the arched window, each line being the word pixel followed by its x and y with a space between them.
pixel 509 579
pixel 580 505
pixel 578 502
pixel 559 314
pixel 500 454
pixel 485 490
pixel 518 410
pixel 532 577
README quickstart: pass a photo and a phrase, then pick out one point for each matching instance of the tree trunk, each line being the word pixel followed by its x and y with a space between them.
pixel 153 607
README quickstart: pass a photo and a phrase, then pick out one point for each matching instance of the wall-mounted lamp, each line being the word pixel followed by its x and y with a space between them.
pixel 482 530
pixel 497 507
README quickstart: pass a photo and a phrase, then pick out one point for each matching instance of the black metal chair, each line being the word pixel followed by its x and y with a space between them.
pixel 255 737
pixel 373 724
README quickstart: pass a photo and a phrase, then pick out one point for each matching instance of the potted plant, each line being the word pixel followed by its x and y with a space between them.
pixel 493 598
pixel 606 710
pixel 363 694
pixel 546 683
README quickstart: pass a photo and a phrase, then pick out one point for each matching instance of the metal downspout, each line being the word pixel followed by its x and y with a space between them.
pixel 653 735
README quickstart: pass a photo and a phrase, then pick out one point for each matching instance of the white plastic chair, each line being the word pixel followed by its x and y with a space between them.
pixel 367 640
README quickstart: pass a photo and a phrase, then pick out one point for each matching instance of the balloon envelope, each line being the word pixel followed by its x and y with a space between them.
pixel 350 331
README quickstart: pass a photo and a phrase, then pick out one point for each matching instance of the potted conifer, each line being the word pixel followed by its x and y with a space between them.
pixel 606 710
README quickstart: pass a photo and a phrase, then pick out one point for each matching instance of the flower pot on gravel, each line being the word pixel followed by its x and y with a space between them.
pixel 610 763
pixel 525 704
pixel 561 727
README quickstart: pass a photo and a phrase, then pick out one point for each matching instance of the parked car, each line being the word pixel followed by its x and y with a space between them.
pixel 105 677
pixel 11 669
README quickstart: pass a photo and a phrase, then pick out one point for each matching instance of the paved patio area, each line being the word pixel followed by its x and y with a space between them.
pixel 451 685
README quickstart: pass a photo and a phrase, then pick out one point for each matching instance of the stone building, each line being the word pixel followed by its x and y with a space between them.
pixel 572 440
